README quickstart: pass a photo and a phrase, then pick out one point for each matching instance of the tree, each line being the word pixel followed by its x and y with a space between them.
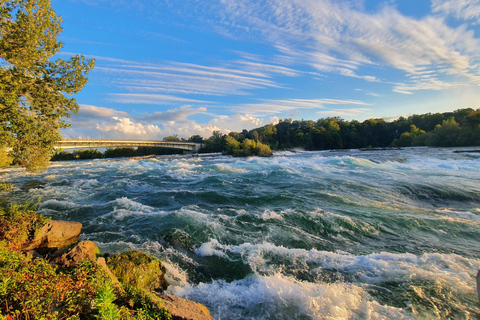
pixel 196 138
pixel 35 90
pixel 173 138
pixel 407 138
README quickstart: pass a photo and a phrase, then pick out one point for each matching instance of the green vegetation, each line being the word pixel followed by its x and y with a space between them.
pixel 18 224
pixel 6 187
pixel 35 91
pixel 138 269
pixel 246 148
pixel 34 289
pixel 450 129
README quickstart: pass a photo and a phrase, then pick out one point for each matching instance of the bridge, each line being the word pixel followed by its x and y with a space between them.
pixel 102 143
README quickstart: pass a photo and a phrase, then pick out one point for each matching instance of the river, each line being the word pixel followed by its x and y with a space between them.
pixel 310 235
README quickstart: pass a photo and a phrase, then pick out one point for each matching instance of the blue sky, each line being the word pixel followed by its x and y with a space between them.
pixel 190 67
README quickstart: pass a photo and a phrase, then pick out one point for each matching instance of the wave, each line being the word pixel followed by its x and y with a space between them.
pixel 384 276
pixel 281 297
pixel 125 207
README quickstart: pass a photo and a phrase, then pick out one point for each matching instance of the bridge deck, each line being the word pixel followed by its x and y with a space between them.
pixel 94 143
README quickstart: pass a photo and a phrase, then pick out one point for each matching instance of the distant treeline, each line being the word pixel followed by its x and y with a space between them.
pixel 450 129
pixel 459 128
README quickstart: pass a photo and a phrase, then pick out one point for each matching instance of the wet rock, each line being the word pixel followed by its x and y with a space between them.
pixel 55 234
pixel 179 239
pixel 32 184
pixel 82 251
pixel 182 309
pixel 138 269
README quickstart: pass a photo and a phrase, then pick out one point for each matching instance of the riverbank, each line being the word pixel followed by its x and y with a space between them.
pixel 45 272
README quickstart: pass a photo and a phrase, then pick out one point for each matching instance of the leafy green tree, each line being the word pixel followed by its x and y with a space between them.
pixel 216 143
pixel 196 138
pixel 173 138
pixel 35 90
pixel 231 145
pixel 407 138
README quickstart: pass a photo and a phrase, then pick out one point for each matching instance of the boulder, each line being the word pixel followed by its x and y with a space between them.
pixel 103 264
pixel 82 251
pixel 33 254
pixel 138 269
pixel 182 309
pixel 55 234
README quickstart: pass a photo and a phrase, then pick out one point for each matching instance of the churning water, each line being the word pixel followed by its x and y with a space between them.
pixel 317 235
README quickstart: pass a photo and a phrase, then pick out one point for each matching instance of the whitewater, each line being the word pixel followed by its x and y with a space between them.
pixel 392 234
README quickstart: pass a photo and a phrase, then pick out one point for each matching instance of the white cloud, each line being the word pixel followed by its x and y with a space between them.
pixel 238 78
pixel 126 128
pixel 96 122
pixel 460 9
pixel 280 106
pixel 142 98
pixel 402 91
pixel 338 37
pixel 236 122
pixel 344 112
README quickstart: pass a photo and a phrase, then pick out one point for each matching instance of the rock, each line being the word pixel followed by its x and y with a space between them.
pixel 103 264
pixel 179 239
pixel 182 309
pixel 55 234
pixel 478 285
pixel 138 269
pixel 82 251
pixel 33 254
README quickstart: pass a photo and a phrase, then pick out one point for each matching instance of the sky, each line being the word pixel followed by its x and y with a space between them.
pixel 188 67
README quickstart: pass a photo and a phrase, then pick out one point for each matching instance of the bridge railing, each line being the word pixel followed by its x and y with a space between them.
pixel 105 143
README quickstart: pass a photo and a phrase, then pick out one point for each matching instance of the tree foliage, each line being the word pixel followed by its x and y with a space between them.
pixel 450 129
pixel 35 90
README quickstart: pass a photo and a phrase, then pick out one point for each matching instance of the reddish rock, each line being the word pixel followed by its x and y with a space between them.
pixel 82 251
pixel 103 264
pixel 56 234
pixel 182 309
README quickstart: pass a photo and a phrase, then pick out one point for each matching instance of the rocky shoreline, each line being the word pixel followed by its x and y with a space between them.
pixel 58 243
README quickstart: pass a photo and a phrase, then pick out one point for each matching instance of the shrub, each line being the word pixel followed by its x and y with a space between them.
pixel 18 225
pixel 138 269
pixel 34 289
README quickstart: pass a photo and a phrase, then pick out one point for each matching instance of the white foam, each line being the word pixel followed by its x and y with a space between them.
pixel 57 204
pixel 455 216
pixel 211 248
pixel 261 297
pixel 224 168
pixel 373 268
pixel 271 215
pixel 85 183
pixel 125 207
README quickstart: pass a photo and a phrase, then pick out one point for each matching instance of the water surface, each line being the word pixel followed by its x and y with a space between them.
pixel 318 235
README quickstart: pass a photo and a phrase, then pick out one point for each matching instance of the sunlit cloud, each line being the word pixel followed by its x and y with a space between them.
pixel 107 123
pixel 460 9
pixel 320 32
pixel 401 91
pixel 344 112
pixel 142 98
pixel 281 106
pixel 193 79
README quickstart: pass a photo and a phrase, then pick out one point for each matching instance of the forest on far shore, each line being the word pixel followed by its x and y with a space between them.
pixel 460 128
pixel 450 129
